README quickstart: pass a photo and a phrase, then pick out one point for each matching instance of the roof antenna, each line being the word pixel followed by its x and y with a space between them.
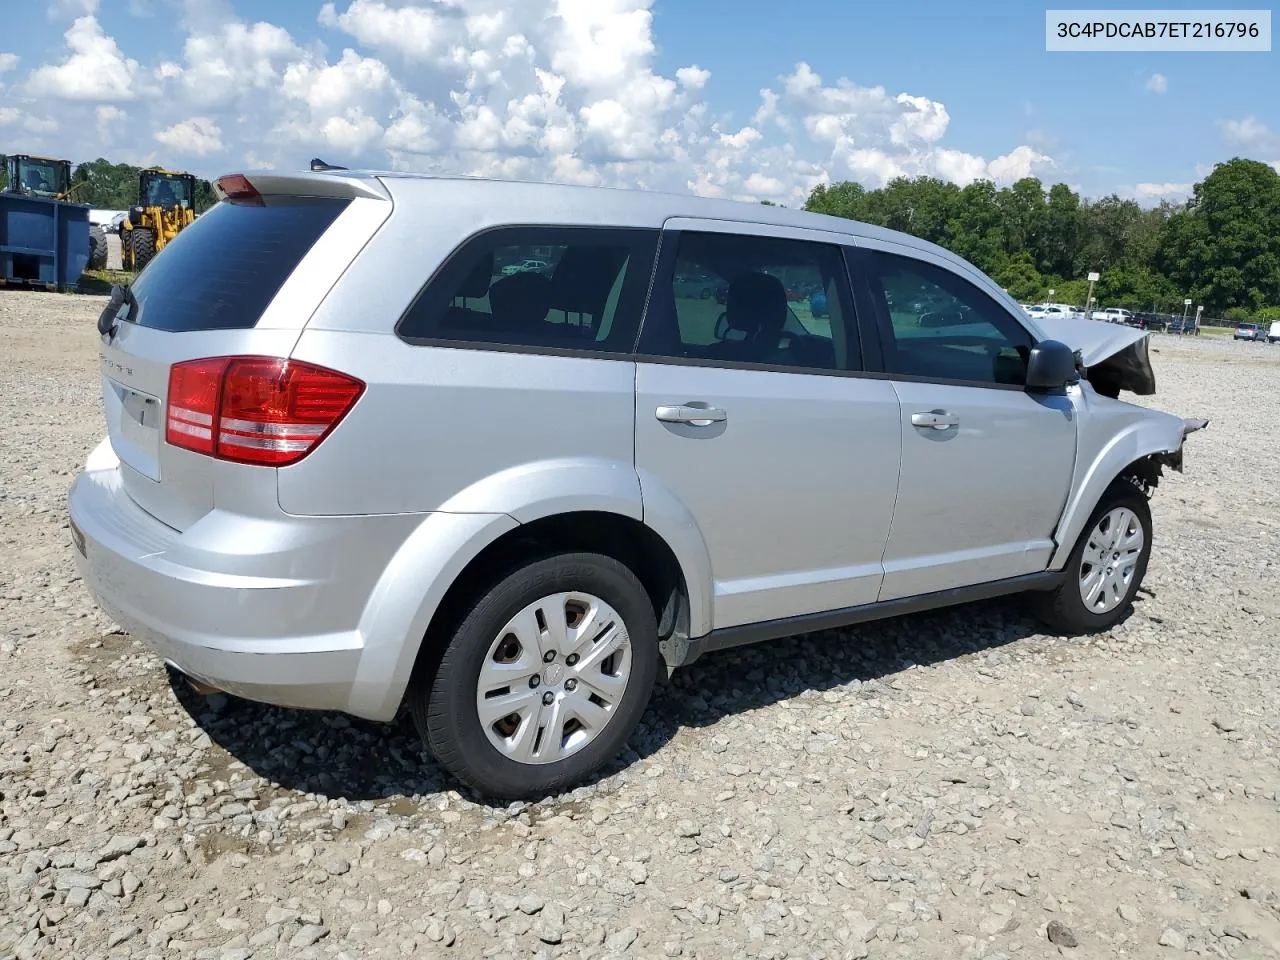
pixel 317 165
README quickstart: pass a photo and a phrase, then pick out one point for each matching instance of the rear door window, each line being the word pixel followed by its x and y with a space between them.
pixel 557 288
pixel 753 300
pixel 222 271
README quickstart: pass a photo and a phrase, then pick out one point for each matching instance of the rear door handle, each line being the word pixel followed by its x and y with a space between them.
pixel 938 419
pixel 697 416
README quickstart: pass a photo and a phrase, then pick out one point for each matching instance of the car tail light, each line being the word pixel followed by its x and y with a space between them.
pixel 261 410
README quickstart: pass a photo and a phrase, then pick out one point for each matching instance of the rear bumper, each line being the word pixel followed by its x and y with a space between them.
pixel 267 609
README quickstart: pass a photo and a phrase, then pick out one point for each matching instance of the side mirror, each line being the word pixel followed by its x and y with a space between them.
pixel 1051 366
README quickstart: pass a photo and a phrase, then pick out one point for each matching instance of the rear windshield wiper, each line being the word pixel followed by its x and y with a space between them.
pixel 121 294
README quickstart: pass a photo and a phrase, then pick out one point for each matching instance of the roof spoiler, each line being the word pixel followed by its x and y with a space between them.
pixel 338 184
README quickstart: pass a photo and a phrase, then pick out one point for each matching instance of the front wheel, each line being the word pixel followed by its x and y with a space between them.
pixel 1106 567
pixel 544 679
pixel 143 242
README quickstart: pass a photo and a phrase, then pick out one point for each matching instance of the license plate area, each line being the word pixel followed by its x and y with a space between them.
pixel 136 433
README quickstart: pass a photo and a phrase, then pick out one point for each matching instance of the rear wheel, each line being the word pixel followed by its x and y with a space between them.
pixel 544 679
pixel 1106 567
pixel 143 242
pixel 97 248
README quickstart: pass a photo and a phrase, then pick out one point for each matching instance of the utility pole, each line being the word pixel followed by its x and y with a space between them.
pixel 1094 277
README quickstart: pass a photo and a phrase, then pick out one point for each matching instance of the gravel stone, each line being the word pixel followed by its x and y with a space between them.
pixel 1173 938
pixel 308 935
pixel 1060 934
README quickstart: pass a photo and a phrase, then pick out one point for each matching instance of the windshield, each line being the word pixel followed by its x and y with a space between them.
pixel 41 177
pixel 168 192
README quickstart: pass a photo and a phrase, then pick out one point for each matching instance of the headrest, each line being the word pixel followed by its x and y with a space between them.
pixel 583 278
pixel 476 283
pixel 520 301
pixel 754 302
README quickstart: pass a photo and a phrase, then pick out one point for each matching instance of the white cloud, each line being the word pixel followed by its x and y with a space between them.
pixel 1249 132
pixel 253 162
pixel 230 61
pixel 8 61
pixel 568 90
pixel 61 9
pixel 1158 83
pixel 198 136
pixel 110 120
pixel 1159 191
pixel 1018 163
pixel 13 117
pixel 417 32
pixel 96 70
pixel 694 77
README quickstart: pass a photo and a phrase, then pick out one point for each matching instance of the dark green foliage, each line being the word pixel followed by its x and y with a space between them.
pixel 1222 248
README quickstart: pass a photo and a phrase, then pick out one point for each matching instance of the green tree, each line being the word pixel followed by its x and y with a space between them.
pixel 977 228
pixel 840 200
pixel 1020 277
pixel 1224 248
pixel 1060 237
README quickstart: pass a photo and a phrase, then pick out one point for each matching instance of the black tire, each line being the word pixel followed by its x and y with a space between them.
pixel 142 240
pixel 1063 609
pixel 97 248
pixel 443 706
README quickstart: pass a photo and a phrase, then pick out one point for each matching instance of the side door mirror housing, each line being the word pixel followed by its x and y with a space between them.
pixel 1051 366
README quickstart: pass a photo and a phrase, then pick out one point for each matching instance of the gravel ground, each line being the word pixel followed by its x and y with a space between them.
pixel 954 785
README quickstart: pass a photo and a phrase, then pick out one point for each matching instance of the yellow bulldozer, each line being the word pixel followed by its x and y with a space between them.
pixel 166 205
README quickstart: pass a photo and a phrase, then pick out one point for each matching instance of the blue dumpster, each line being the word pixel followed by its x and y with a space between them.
pixel 43 243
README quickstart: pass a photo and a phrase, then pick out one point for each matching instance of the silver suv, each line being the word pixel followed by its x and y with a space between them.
pixel 355 462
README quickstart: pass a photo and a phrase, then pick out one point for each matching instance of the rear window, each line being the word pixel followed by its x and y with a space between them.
pixel 221 272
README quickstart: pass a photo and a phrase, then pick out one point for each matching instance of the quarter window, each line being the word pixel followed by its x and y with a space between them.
pixel 753 300
pixel 942 327
pixel 556 287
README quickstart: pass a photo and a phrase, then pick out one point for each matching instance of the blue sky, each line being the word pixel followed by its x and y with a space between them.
pixel 741 98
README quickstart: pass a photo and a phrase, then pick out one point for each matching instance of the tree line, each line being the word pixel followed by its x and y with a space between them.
pixel 1221 247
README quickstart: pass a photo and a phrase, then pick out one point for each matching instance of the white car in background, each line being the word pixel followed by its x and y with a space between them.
pixel 1114 315
pixel 1054 311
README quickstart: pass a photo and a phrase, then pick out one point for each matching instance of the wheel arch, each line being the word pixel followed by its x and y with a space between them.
pixel 452 554
pixel 1137 452
pixel 625 539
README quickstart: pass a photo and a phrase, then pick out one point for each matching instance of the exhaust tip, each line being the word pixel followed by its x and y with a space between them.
pixel 198 686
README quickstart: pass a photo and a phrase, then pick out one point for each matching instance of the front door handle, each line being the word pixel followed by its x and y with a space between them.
pixel 697 416
pixel 938 419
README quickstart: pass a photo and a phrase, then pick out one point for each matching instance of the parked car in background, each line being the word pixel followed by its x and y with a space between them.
pixel 527 266
pixel 1056 311
pixel 1273 335
pixel 1113 315
pixel 1249 331
pixel 695 287
pixel 1148 321
pixel 348 468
